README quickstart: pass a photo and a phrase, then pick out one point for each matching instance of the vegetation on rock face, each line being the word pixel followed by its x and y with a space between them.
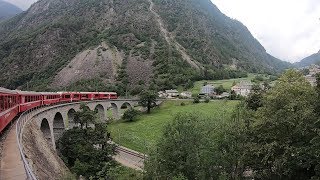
pixel 273 135
pixel 37 44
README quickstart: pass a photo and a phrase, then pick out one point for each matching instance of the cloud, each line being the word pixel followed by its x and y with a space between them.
pixel 289 30
pixel 23 4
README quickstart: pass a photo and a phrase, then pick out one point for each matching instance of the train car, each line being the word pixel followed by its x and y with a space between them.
pixel 113 95
pixel 9 107
pixel 29 100
pixel 87 96
pixel 65 96
pixel 49 98
pixel 76 96
pixel 108 95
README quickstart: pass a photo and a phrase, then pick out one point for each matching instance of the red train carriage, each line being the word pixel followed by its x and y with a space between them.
pixel 87 96
pixel 50 98
pixel 108 95
pixel 29 100
pixel 69 96
pixel 9 107
pixel 113 95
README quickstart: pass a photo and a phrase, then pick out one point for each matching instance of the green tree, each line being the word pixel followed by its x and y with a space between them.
pixel 86 151
pixel 279 141
pixel 148 99
pixel 195 147
pixel 85 116
pixel 130 115
pixel 254 100
pixel 220 89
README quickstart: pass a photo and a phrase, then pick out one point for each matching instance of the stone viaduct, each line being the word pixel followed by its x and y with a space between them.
pixel 54 120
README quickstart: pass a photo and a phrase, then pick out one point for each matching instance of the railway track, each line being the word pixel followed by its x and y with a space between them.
pixel 130 158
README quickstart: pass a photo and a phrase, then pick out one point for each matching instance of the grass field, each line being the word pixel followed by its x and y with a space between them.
pixel 142 134
pixel 226 83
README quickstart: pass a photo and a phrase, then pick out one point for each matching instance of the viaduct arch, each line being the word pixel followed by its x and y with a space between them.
pixel 55 120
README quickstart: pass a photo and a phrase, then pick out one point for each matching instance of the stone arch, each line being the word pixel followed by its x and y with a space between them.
pixel 101 113
pixel 70 115
pixel 126 105
pixel 114 108
pixel 45 129
pixel 58 126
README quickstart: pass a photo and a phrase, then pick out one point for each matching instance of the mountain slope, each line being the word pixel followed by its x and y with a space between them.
pixel 8 10
pixel 72 44
pixel 313 59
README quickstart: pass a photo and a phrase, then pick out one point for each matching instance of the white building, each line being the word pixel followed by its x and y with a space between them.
pixel 243 88
pixel 186 94
pixel 172 93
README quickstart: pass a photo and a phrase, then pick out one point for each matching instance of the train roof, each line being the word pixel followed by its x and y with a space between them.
pixel 28 92
pixel 49 93
pixel 8 91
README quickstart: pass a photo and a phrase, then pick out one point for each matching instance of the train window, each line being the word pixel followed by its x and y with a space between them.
pixel 67 96
pixel 76 96
pixel 1 103
pixel 85 95
pixel 96 95
pixel 106 95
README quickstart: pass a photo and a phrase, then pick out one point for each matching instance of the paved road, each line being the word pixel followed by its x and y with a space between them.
pixel 11 164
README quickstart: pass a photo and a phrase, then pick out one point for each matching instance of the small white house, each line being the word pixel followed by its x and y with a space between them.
pixel 243 88
pixel 172 93
pixel 186 94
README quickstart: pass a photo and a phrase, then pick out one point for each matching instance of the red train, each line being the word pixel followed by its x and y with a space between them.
pixel 13 102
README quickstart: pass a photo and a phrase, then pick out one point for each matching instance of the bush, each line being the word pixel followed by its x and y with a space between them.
pixel 207 100
pixel 183 104
pixel 196 100
pixel 130 115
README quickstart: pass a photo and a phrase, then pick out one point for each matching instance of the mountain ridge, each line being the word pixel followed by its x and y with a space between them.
pixel 8 10
pixel 175 41
pixel 312 59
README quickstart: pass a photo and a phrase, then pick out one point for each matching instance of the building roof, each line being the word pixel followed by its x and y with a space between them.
pixel 172 91
pixel 208 89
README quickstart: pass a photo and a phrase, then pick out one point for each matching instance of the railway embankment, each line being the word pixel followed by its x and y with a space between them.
pixel 43 159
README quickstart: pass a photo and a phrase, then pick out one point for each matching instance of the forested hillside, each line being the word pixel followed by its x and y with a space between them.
pixel 113 45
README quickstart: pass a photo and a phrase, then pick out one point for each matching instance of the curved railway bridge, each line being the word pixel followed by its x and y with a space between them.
pixel 53 121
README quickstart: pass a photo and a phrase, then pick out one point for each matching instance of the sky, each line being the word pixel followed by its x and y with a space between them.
pixel 288 29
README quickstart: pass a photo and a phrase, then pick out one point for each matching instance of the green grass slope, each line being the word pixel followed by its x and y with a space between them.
pixel 142 134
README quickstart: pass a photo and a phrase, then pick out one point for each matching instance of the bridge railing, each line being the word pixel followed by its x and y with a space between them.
pixel 22 120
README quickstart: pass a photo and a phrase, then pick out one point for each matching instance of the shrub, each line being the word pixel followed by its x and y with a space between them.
pixel 130 115
pixel 183 104
pixel 196 100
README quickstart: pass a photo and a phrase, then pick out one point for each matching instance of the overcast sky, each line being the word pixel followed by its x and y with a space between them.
pixel 288 29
